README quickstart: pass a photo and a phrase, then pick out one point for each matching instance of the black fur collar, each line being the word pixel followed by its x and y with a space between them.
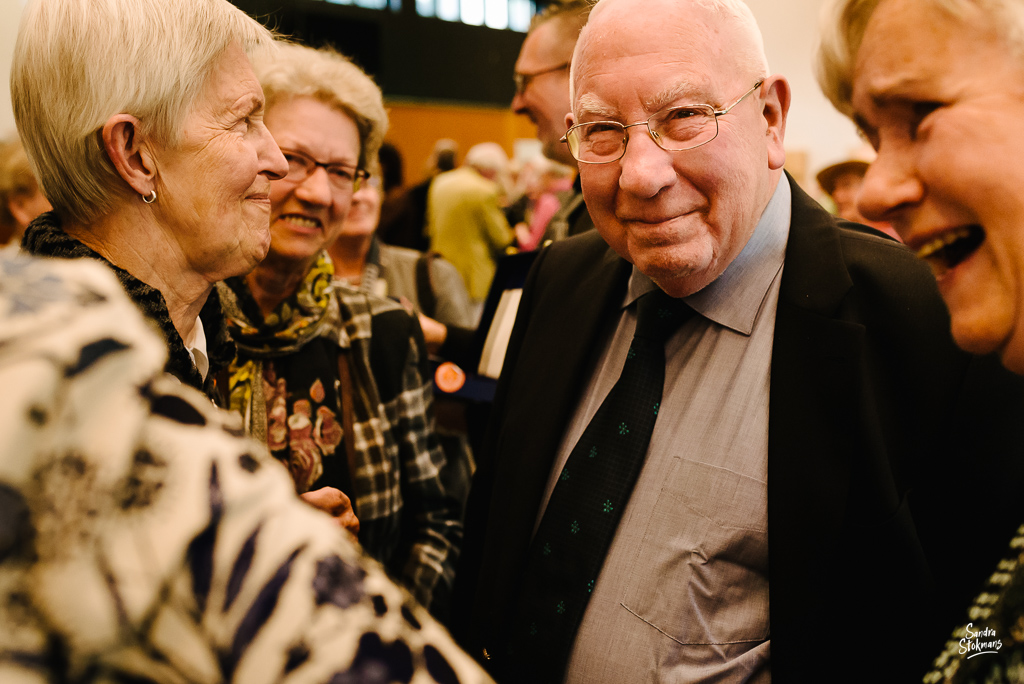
pixel 45 237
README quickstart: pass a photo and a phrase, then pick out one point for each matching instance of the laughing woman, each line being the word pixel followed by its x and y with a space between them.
pixel 335 380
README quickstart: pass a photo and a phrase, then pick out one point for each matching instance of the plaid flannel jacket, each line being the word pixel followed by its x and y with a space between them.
pixel 406 518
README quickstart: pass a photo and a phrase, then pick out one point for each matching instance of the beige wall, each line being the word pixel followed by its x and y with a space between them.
pixel 10 15
pixel 816 133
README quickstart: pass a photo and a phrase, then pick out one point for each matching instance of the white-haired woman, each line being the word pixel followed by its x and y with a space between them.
pixel 942 107
pixel 333 379
pixel 144 123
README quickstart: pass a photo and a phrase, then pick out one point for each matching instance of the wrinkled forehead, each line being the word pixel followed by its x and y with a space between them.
pixel 963 45
pixel 625 39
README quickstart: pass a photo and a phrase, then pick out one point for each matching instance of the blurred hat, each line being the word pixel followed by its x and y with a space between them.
pixel 857 163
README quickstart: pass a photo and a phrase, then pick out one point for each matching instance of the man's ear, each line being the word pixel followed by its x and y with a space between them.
pixel 570 121
pixel 123 144
pixel 777 97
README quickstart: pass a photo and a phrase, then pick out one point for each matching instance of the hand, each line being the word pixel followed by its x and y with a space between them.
pixel 523 236
pixel 434 333
pixel 335 503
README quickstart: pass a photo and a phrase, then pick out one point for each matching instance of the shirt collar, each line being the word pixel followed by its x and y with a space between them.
pixel 197 348
pixel 735 297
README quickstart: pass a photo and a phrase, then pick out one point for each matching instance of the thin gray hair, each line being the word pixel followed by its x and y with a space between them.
pixel 843 23
pixel 78 62
pixel 333 79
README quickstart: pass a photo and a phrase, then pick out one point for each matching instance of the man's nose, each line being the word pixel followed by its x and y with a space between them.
pixel 519 103
pixel 646 168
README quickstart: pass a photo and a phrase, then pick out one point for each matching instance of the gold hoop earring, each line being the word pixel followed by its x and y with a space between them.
pixel 150 198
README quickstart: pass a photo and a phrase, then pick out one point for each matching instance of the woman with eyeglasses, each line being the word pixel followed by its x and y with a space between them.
pixel 333 379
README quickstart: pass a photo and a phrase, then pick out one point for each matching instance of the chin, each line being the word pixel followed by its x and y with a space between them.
pixel 985 338
pixel 675 264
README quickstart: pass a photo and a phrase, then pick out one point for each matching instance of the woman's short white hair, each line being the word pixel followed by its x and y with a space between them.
pixel 844 22
pixel 329 77
pixel 78 62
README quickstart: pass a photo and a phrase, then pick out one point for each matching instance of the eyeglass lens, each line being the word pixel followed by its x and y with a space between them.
pixel 675 129
pixel 301 167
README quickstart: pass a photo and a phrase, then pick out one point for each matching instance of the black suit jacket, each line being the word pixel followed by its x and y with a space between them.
pixel 893 457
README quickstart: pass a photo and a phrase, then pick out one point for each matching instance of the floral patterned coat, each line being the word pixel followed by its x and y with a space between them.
pixel 407 520
pixel 143 539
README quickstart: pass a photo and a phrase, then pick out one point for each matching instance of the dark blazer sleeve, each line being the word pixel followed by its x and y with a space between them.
pixel 467 574
pixel 572 289
pixel 886 443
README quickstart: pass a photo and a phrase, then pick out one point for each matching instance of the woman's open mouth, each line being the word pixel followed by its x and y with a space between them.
pixel 947 251
pixel 299 221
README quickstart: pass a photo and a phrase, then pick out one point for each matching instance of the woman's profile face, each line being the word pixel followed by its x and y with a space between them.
pixel 307 214
pixel 213 189
pixel 364 215
pixel 943 109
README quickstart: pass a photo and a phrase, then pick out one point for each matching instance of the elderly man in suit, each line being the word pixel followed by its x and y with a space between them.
pixel 779 478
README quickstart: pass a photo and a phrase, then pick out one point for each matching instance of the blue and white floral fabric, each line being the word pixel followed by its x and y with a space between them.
pixel 143 539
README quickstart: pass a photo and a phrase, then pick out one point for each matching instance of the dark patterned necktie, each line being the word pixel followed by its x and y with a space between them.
pixel 587 502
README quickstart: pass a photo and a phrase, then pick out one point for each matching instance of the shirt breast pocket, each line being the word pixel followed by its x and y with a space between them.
pixel 700 575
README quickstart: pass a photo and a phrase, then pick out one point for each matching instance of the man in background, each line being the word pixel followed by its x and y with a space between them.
pixel 842 181
pixel 20 198
pixel 464 218
pixel 542 94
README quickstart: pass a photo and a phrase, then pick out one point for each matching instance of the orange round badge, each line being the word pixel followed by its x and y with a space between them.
pixel 449 377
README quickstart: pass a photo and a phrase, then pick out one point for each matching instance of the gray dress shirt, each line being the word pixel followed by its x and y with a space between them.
pixel 683 593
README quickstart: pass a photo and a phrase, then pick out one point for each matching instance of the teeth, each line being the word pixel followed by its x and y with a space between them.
pixel 302 221
pixel 941 241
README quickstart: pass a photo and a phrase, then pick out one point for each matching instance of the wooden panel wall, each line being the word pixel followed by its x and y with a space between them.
pixel 416 126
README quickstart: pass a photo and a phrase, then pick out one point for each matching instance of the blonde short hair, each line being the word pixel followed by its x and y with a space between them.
pixel 329 77
pixel 16 179
pixel 844 23
pixel 568 17
pixel 78 62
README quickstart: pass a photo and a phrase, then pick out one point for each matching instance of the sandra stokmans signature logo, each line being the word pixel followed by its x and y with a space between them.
pixel 980 641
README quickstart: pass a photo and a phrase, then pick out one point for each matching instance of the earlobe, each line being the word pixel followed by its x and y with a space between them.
pixel 776 108
pixel 130 157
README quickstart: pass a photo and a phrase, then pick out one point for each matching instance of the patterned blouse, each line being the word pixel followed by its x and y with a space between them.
pixel 990 648
pixel 407 521
pixel 142 539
